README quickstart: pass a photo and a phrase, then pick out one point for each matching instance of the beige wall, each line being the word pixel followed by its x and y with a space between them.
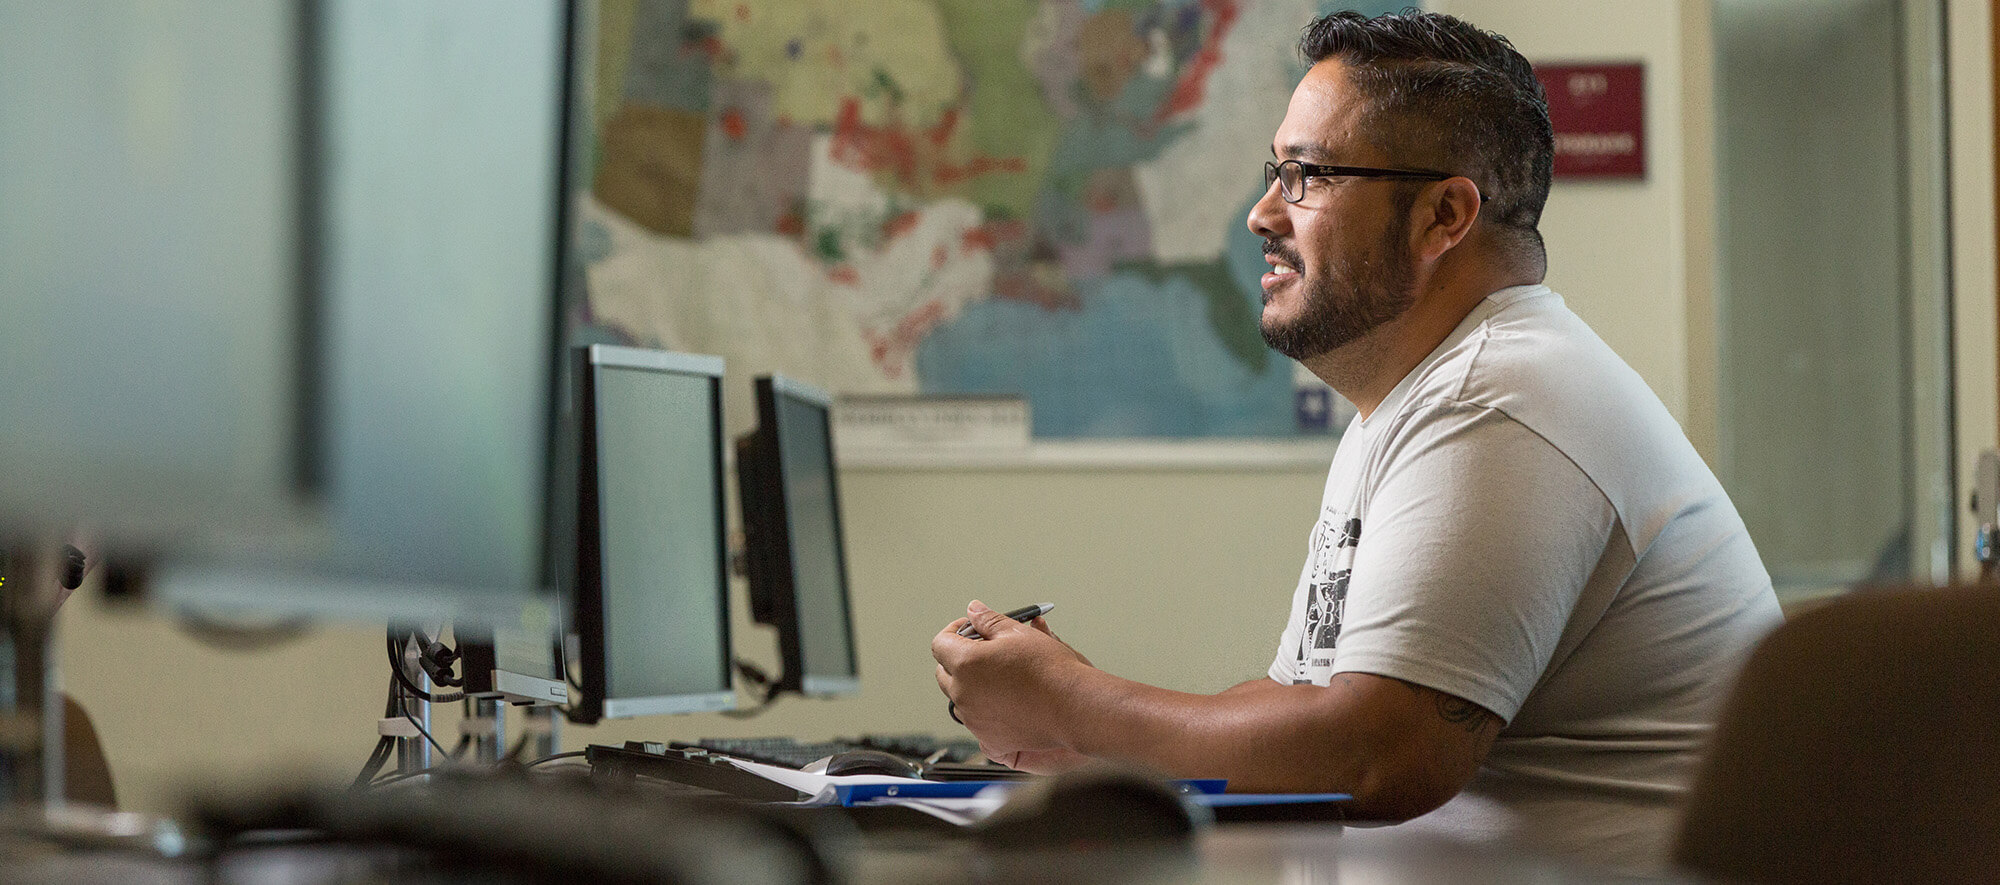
pixel 1969 25
pixel 1174 576
pixel 1617 249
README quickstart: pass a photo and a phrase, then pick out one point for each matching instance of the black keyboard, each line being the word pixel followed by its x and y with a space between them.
pixel 701 764
pixel 792 753
pixel 770 751
pixel 689 768
pixel 924 747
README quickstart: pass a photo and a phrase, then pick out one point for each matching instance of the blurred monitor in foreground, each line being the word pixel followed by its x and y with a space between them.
pixel 652 575
pixel 279 286
pixel 793 551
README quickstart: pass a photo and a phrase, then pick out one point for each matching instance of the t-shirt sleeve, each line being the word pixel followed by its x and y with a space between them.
pixel 1478 540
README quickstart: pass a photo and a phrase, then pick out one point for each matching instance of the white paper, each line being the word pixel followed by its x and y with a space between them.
pixel 817 787
pixel 964 811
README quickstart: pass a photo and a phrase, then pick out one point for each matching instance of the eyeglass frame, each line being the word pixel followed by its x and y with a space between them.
pixel 1320 170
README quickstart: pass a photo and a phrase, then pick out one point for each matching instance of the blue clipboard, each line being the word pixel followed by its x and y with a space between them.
pixel 1238 800
pixel 1275 807
pixel 849 794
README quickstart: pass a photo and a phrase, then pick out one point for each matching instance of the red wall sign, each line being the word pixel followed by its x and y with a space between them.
pixel 1599 114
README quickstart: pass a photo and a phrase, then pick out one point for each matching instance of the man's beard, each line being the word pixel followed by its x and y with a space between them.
pixel 1342 304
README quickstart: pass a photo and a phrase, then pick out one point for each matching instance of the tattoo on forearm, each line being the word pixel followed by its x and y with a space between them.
pixel 1462 712
pixel 1454 709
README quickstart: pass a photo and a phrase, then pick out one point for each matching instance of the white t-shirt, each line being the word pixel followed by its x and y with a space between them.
pixel 1522 524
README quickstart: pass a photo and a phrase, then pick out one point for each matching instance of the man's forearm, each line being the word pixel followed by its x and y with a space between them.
pixel 1250 734
pixel 1355 735
pixel 1259 684
pixel 1400 748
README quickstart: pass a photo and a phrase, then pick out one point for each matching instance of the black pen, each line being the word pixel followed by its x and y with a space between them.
pixel 1023 614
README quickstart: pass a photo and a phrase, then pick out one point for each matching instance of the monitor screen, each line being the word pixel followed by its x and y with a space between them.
pixel 279 286
pixel 652 585
pixel 798 568
pixel 152 253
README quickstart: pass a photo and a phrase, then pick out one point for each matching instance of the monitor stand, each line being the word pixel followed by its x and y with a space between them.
pixel 541 728
pixel 31 764
pixel 33 800
pixel 484 724
pixel 412 721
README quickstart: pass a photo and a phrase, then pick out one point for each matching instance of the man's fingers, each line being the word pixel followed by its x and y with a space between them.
pixel 944 680
pixel 945 645
pixel 988 622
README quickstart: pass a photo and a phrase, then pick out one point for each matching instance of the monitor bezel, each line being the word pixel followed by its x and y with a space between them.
pixel 303 560
pixel 590 609
pixel 768 498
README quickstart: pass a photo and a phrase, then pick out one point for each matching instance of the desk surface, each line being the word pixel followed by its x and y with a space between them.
pixel 1235 854
pixel 1230 853
pixel 1289 853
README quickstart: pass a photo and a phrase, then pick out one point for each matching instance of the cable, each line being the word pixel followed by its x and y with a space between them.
pixel 568 755
pixel 386 780
pixel 394 708
pixel 383 746
pixel 375 762
pixel 436 659
pixel 514 752
pixel 427 735
pixel 771 695
pixel 753 673
pixel 387 744
pixel 396 668
pixel 756 676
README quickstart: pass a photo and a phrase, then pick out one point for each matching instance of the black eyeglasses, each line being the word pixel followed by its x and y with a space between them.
pixel 1291 176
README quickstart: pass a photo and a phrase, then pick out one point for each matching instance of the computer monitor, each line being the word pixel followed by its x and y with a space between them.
pixel 154 252
pixel 517 662
pixel 278 296
pixel 652 552
pixel 793 550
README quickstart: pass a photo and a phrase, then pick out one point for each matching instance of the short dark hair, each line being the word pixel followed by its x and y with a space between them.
pixel 1446 95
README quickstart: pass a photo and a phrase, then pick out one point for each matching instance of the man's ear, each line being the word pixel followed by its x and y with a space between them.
pixel 1443 216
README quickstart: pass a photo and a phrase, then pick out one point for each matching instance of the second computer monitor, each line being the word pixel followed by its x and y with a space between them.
pixel 652 579
pixel 794 553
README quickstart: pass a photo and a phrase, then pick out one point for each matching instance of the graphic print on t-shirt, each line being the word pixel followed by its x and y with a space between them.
pixel 1333 542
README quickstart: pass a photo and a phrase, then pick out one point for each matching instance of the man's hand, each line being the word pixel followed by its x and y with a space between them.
pixel 1042 624
pixel 1040 761
pixel 1010 686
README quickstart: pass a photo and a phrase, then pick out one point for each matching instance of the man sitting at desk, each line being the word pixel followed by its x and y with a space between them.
pixel 1525 591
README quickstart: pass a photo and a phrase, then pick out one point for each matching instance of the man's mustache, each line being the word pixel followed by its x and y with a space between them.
pixel 1285 253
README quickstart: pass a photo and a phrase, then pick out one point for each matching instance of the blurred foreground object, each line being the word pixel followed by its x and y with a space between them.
pixel 1859 746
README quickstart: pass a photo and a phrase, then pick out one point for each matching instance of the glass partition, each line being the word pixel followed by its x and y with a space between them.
pixel 1833 318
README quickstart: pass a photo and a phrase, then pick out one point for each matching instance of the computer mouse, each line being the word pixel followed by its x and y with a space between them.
pixel 866 762
pixel 1092 807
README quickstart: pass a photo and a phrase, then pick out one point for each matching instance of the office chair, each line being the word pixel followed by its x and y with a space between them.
pixel 1861 744
pixel 86 773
